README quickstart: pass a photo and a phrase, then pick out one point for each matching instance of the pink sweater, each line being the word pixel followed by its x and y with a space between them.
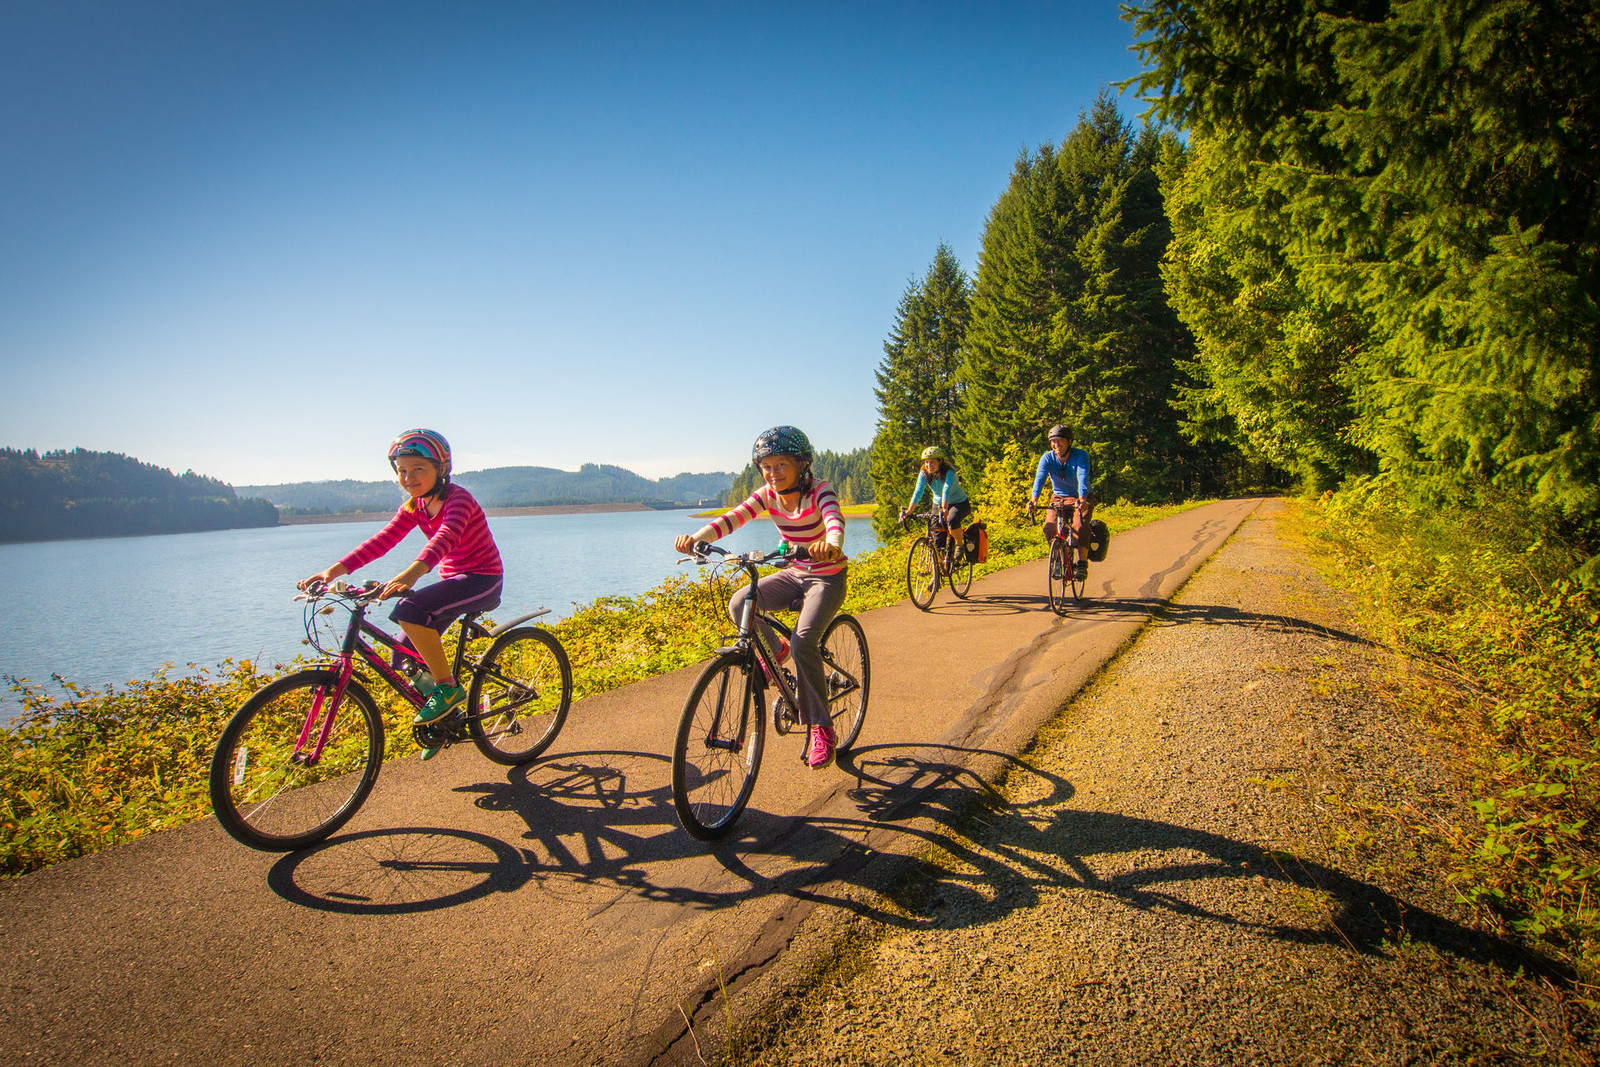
pixel 458 538
pixel 818 516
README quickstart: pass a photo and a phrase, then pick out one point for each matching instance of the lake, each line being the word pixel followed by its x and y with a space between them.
pixel 114 609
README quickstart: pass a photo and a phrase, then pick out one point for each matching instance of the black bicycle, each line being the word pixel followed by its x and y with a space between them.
pixel 717 753
pixel 939 555
pixel 1063 576
pixel 300 756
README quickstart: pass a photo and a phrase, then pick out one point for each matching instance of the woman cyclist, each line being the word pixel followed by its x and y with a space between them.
pixel 807 515
pixel 459 544
pixel 939 480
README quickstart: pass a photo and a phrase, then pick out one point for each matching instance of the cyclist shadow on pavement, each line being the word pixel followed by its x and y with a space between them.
pixel 1005 854
pixel 605 819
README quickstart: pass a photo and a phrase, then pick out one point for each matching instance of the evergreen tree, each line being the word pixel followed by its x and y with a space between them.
pixel 1069 319
pixel 1426 174
pixel 918 393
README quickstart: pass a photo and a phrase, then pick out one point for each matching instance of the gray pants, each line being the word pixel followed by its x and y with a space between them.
pixel 817 598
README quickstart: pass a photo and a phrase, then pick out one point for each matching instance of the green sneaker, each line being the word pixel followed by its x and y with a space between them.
pixel 440 701
pixel 429 753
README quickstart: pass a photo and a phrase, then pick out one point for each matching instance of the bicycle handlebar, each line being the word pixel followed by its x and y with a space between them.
pixel 366 591
pixel 702 549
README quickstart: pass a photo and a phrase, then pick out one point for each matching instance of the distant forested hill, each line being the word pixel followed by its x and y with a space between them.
pixel 509 487
pixel 105 494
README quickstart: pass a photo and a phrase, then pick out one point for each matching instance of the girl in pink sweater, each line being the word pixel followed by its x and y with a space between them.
pixel 459 544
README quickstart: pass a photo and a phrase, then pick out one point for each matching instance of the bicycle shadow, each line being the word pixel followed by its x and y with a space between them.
pixel 589 822
pixel 1167 613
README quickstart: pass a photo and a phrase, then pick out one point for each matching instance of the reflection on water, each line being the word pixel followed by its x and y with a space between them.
pixel 111 609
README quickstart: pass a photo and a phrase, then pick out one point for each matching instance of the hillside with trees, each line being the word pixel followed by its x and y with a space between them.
pixel 847 472
pixel 80 493
pixel 507 487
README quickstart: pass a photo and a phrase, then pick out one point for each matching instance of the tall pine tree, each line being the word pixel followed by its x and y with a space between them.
pixel 1069 319
pixel 918 394
pixel 1427 175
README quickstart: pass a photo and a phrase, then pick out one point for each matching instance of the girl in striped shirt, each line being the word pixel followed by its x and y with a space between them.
pixel 807 515
pixel 459 544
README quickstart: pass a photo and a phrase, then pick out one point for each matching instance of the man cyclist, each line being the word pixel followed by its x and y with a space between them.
pixel 1067 470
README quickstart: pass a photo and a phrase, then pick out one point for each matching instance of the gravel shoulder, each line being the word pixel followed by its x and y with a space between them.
pixel 1209 857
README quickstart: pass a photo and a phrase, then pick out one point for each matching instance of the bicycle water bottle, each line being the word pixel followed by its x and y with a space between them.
pixel 424 683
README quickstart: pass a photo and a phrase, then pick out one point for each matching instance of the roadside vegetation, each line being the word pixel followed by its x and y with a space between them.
pixel 88 768
pixel 1503 654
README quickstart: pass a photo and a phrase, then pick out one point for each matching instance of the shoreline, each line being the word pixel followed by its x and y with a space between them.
pixel 493 513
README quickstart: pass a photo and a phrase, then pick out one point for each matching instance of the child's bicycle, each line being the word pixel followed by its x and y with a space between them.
pixel 717 754
pixel 299 757
pixel 1063 574
pixel 938 555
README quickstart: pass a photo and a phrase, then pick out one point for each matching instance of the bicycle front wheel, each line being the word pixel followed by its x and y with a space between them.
pixel 265 788
pixel 520 695
pixel 922 573
pixel 717 754
pixel 1060 576
pixel 849 673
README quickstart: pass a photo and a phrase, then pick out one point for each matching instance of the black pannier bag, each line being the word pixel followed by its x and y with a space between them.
pixel 1099 540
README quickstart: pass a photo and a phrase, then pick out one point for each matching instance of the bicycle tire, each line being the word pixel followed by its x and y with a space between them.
pixel 1060 574
pixel 844 652
pixel 922 573
pixel 961 577
pixel 714 772
pixel 520 695
pixel 270 803
pixel 1080 586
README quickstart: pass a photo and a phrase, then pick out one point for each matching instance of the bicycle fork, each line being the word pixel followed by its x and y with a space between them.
pixel 325 706
pixel 714 738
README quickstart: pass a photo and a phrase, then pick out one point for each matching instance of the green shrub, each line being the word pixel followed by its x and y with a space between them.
pixel 1512 642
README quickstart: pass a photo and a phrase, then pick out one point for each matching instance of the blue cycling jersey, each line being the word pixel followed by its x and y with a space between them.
pixel 1066 479
pixel 945 489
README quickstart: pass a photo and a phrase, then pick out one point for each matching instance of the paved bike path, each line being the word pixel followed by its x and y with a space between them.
pixel 554 913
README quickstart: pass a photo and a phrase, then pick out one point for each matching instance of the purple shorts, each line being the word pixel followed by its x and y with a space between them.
pixel 442 603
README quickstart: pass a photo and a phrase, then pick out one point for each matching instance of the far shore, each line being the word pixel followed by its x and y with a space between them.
pixel 851 511
pixel 493 513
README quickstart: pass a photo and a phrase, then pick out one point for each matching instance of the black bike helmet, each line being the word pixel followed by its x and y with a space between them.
pixel 782 441
pixel 1060 430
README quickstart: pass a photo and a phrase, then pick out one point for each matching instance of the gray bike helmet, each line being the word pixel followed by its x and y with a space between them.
pixel 782 441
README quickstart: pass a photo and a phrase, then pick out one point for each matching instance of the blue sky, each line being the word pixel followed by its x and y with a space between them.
pixel 258 239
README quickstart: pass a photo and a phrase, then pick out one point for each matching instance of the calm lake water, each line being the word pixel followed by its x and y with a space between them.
pixel 114 609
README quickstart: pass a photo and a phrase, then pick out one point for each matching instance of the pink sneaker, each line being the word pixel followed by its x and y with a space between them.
pixel 819 753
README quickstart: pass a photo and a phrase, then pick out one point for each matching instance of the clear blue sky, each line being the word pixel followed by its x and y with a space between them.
pixel 258 239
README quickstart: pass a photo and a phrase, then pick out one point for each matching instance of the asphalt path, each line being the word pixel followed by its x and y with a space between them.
pixel 554 913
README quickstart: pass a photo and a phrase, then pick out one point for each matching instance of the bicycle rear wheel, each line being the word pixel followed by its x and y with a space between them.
pixel 1080 586
pixel 717 754
pixel 268 797
pixel 520 695
pixel 922 573
pixel 1060 576
pixel 849 673
pixel 961 574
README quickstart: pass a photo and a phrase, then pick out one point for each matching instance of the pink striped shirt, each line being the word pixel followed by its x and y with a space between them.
pixel 458 538
pixel 818 516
